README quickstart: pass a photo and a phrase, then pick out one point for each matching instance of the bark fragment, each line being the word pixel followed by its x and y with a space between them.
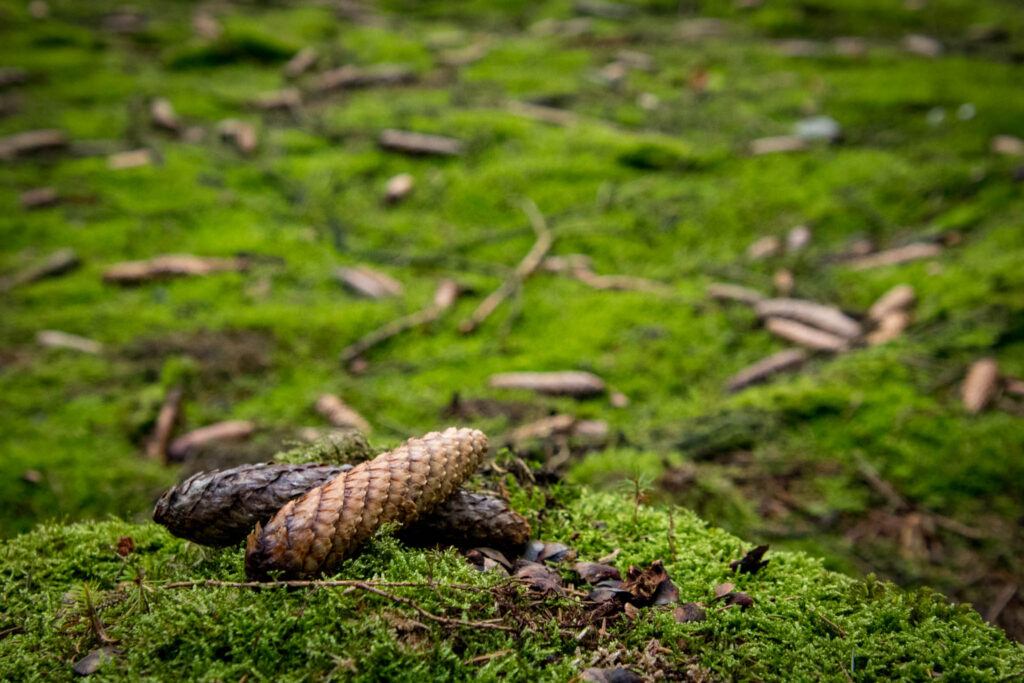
pixel 351 77
pixel 221 431
pixel 314 533
pixel 890 257
pixel 63 340
pixel 761 370
pixel 58 263
pixel 567 383
pixel 419 143
pixel 805 335
pixel 823 317
pixel 156 447
pixel 170 266
pixel 31 142
pixel 38 197
pixel 340 415
pixel 899 298
pixel 303 61
pixel 728 292
pixel 369 282
pixel 980 385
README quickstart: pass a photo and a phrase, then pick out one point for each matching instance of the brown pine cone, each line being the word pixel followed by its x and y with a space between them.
pixel 220 508
pixel 468 520
pixel 314 533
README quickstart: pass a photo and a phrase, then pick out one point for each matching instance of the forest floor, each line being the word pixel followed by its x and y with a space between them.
pixel 627 133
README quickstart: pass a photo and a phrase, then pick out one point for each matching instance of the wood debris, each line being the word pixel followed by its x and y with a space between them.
pixel 156 446
pixel 12 75
pixel 1007 145
pixel 980 385
pixel 368 282
pixel 162 112
pixel 850 46
pixel 31 142
pixel 465 55
pixel 552 115
pixel 231 430
pixel 542 429
pixel 805 335
pixel 702 28
pixel 39 9
pixel 352 77
pixel 340 415
pixel 783 281
pixel 130 159
pixel 444 298
pixel 527 267
pixel 286 99
pixel 890 257
pixel 38 198
pixel 922 45
pixel 764 247
pixel 604 9
pixel 240 134
pixel 777 144
pixel 1014 386
pixel 419 143
pixel 635 59
pixel 827 318
pixel 206 26
pixel 899 298
pixel 302 62
pixel 728 292
pixel 789 359
pixel 798 238
pixel 64 340
pixel 58 263
pixel 578 266
pixel 566 383
pixel 889 327
pixel 170 266
pixel 399 187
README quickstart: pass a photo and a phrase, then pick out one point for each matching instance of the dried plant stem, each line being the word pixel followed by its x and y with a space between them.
pixel 527 267
pixel 400 325
pixel 370 587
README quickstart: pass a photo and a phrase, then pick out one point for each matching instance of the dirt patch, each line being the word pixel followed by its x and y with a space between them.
pixel 219 355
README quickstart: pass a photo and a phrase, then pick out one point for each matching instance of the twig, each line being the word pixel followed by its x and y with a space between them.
pixel 487 657
pixel 1002 600
pixel 838 629
pixel 525 269
pixel 406 322
pixel 369 587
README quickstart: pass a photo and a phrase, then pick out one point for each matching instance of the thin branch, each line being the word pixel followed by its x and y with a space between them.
pixel 525 269
pixel 374 587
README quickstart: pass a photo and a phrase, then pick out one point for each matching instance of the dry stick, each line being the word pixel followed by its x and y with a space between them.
pixel 359 585
pixel 525 269
pixel 406 322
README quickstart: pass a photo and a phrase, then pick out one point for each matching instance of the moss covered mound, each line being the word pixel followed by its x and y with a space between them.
pixel 806 624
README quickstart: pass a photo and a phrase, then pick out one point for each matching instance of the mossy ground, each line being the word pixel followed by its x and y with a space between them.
pixel 806 624
pixel 668 194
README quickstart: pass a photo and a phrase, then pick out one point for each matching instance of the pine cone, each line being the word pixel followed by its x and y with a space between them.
pixel 220 508
pixel 314 533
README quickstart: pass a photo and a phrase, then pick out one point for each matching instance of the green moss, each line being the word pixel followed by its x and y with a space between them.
pixel 807 623
pixel 668 193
